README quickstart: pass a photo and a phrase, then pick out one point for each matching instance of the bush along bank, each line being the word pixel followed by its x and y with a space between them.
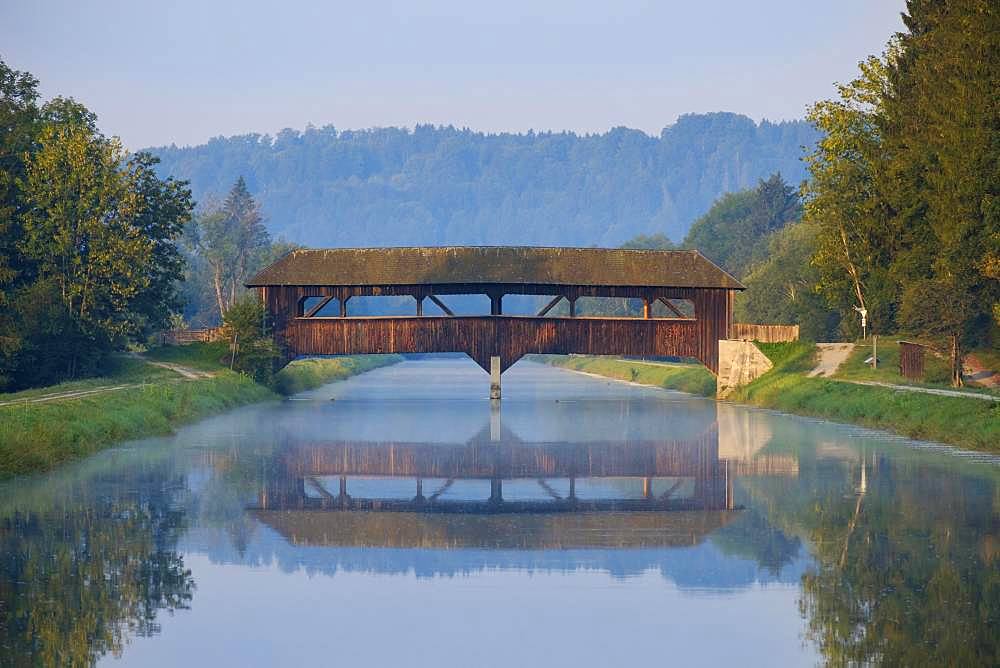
pixel 139 399
pixel 965 422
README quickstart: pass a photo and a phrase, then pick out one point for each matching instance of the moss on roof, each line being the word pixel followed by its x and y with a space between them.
pixel 495 265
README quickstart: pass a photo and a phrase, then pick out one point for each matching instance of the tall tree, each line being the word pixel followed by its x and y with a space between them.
pixel 18 127
pixel 95 250
pixel 734 233
pixel 783 288
pixel 856 239
pixel 944 143
pixel 232 239
pixel 906 182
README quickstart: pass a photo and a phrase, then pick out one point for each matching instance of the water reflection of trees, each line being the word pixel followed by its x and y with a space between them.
pixel 77 579
pixel 751 536
pixel 907 567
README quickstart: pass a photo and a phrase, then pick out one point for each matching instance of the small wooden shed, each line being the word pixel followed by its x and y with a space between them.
pixel 911 359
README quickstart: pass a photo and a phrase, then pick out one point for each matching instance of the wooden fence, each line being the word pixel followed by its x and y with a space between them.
pixel 180 337
pixel 765 333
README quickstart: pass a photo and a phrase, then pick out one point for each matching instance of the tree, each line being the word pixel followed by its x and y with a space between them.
pixel 253 351
pixel 102 227
pixel 88 238
pixel 649 242
pixel 856 238
pixel 18 126
pixel 937 308
pixel 164 212
pixel 734 233
pixel 441 185
pixel 232 240
pixel 783 288
pixel 944 143
pixel 905 182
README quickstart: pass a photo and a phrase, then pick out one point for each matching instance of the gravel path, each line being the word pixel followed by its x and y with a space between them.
pixel 831 356
pixel 923 390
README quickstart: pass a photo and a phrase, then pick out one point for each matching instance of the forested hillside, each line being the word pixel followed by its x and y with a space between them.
pixel 440 185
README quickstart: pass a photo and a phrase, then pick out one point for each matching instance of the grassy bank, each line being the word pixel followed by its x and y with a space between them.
pixel 37 436
pixel 966 422
pixel 691 378
pixel 311 373
pixel 969 423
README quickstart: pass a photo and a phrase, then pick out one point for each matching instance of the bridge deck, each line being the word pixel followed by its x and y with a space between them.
pixel 509 337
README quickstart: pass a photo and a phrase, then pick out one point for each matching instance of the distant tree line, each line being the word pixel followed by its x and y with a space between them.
pixel 442 185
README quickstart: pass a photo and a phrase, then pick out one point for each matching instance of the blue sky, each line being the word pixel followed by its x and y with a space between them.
pixel 183 71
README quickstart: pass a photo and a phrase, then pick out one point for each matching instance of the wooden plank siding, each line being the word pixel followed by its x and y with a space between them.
pixel 696 457
pixel 509 337
pixel 911 360
pixel 179 337
pixel 765 333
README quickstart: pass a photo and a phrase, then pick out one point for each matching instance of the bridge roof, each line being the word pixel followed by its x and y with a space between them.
pixel 495 265
pixel 533 531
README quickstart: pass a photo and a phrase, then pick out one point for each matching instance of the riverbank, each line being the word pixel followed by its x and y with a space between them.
pixel 690 378
pixel 965 422
pixel 140 397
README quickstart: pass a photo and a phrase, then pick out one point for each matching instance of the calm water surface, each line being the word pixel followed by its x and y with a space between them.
pixel 395 519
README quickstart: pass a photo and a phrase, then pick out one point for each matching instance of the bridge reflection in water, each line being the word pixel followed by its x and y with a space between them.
pixel 498 491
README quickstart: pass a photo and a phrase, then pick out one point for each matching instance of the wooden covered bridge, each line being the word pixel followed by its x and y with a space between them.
pixel 687 302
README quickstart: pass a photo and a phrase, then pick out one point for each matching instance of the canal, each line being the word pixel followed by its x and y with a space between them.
pixel 396 518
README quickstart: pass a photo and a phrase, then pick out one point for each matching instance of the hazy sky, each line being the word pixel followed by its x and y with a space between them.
pixel 182 71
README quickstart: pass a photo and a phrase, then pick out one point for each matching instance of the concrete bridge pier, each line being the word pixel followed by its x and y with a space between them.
pixel 495 378
pixel 495 431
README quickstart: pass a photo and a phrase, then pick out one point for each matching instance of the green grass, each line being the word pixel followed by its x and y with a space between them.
pixel 36 437
pixel 691 378
pixel 201 356
pixel 309 374
pixel 121 370
pixel 794 357
pixel 937 371
pixel 969 423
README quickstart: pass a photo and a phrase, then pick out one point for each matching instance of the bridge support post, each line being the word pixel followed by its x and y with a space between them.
pixel 495 378
pixel 494 421
pixel 496 490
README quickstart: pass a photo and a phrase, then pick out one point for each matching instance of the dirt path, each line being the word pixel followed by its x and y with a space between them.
pixel 974 370
pixel 69 394
pixel 831 356
pixel 923 390
pixel 186 374
pixel 185 371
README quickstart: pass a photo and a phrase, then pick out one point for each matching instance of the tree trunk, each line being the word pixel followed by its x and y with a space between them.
pixel 956 363
pixel 217 280
pixel 852 271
